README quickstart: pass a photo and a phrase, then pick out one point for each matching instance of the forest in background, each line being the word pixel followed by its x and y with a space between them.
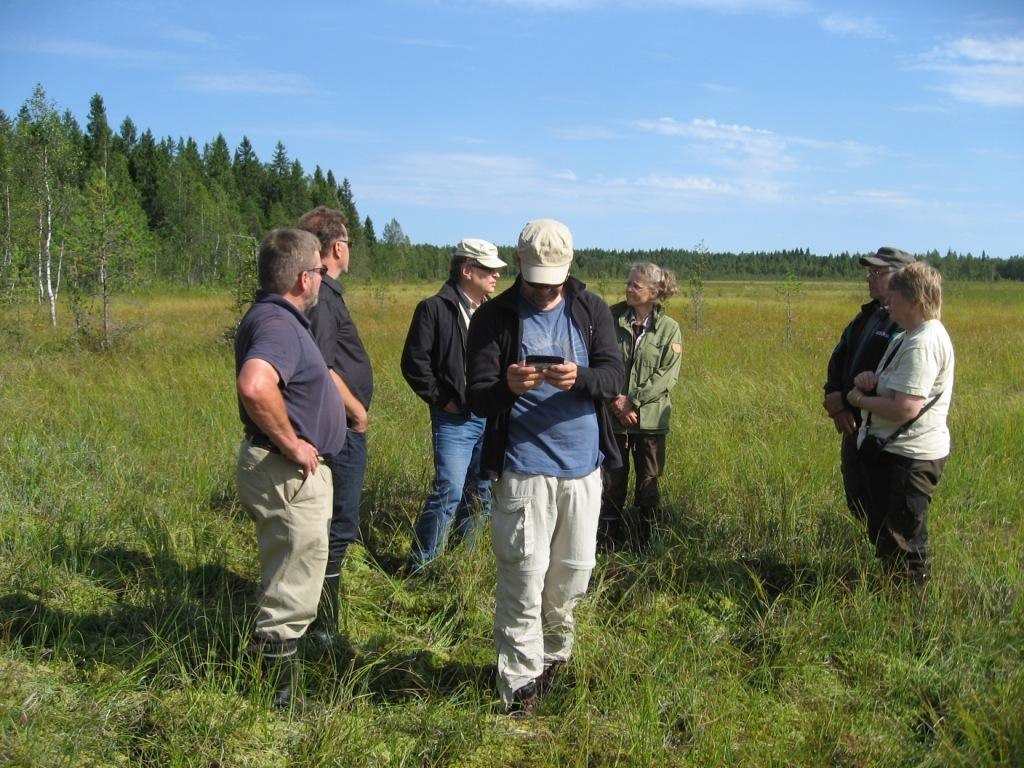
pixel 87 212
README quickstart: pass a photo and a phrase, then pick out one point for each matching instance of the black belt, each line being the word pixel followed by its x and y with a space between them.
pixel 259 440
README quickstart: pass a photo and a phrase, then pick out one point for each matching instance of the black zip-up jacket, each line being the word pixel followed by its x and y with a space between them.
pixel 860 348
pixel 434 356
pixel 496 341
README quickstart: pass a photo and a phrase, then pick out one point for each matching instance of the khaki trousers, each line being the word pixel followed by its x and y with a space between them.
pixel 544 540
pixel 292 513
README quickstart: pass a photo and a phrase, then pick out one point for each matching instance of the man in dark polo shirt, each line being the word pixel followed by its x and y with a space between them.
pixel 293 420
pixel 346 357
pixel 860 348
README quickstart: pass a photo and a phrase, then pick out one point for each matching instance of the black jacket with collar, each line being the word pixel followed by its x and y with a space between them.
pixel 860 348
pixel 434 356
pixel 495 342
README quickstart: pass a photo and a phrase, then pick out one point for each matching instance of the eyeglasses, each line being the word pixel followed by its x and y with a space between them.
pixel 879 271
pixel 321 270
pixel 482 268
pixel 344 240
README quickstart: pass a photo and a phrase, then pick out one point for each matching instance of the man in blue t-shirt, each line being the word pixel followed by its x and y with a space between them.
pixel 294 420
pixel 546 438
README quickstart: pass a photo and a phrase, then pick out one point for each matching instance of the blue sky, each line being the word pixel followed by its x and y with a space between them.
pixel 748 124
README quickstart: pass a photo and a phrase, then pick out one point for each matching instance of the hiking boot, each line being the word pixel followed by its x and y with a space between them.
pixel 547 677
pixel 525 701
pixel 282 667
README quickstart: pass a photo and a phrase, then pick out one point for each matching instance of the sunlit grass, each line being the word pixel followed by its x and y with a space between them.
pixel 756 631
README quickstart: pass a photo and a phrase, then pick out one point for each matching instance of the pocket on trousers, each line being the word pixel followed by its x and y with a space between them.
pixel 293 489
pixel 512 530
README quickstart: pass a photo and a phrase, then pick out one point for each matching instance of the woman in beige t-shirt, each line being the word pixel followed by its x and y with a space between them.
pixel 913 383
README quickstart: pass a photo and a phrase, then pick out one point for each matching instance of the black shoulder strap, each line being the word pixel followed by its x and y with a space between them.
pixel 907 424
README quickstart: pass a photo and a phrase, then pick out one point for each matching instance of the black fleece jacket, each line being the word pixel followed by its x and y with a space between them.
pixel 495 342
pixel 434 357
pixel 860 348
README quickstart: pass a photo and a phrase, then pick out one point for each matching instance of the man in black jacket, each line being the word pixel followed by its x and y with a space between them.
pixel 343 351
pixel 860 348
pixel 542 359
pixel 434 365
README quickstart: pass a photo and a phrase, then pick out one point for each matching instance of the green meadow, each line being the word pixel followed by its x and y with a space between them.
pixel 757 631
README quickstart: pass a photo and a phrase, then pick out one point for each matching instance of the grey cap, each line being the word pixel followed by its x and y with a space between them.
pixel 887 256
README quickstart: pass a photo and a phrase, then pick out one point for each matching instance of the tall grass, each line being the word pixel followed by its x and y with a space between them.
pixel 756 631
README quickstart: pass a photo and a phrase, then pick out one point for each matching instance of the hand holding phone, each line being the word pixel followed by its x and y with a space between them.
pixel 543 362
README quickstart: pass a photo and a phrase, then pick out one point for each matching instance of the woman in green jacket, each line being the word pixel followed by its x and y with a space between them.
pixel 652 347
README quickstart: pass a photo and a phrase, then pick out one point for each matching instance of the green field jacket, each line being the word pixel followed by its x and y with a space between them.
pixel 652 371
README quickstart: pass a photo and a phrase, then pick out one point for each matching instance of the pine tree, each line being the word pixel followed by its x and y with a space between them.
pixel 97 134
pixel 109 237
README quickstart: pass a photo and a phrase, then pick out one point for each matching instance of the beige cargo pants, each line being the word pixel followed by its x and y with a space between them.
pixel 292 512
pixel 544 538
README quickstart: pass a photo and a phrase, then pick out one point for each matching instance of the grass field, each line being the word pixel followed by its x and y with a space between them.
pixel 758 631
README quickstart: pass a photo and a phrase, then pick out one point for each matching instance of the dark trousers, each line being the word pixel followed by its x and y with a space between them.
pixel 855 482
pixel 349 468
pixel 899 492
pixel 647 453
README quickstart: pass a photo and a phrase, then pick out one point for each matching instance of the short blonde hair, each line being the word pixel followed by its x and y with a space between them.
pixel 920 282
pixel 658 278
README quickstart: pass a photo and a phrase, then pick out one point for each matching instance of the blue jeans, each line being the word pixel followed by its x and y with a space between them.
pixel 349 468
pixel 458 485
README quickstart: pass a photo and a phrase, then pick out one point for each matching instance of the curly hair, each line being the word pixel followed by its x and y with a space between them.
pixel 658 278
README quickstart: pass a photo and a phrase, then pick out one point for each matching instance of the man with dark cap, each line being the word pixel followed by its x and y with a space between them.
pixel 860 348
pixel 434 365
pixel 293 421
pixel 346 357
pixel 542 360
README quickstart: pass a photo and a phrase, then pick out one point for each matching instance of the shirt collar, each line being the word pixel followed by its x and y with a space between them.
pixel 268 297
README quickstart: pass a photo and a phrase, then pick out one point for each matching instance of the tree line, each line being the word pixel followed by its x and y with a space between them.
pixel 89 212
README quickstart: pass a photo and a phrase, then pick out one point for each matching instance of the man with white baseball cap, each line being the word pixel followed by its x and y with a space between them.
pixel 542 360
pixel 434 365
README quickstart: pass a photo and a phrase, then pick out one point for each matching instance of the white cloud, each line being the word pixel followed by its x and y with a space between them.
pixel 989 72
pixel 87 49
pixel 684 183
pixel 499 183
pixel 856 26
pixel 1006 51
pixel 248 82
pixel 872 197
pixel 751 150
pixel 189 36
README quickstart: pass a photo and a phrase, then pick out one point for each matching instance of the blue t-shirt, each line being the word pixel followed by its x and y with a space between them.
pixel 275 331
pixel 552 432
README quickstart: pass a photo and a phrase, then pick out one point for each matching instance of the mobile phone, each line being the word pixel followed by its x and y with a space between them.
pixel 540 362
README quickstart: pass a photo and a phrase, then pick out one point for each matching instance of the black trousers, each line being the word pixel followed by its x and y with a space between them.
pixel 855 482
pixel 899 492
pixel 647 454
